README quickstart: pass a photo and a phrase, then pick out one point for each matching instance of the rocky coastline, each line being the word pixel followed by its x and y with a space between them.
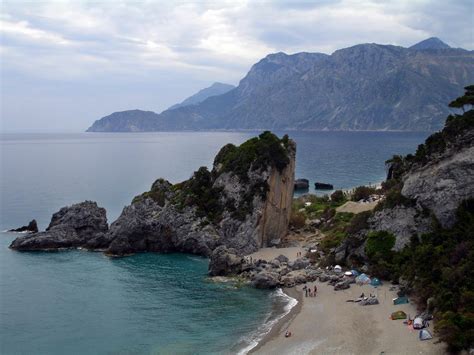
pixel 243 203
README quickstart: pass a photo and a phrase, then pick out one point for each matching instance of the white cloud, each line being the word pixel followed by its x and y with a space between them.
pixel 179 46
pixel 23 31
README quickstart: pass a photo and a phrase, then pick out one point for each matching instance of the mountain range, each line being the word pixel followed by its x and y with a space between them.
pixel 363 87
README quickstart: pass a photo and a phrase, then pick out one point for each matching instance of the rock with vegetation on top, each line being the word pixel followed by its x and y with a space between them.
pixel 71 227
pixel 244 203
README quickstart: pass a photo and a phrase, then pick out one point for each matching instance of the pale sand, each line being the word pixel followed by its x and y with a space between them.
pixel 327 324
pixel 271 253
pixel 357 207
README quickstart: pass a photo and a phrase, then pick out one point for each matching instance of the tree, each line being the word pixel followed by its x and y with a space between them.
pixel 466 100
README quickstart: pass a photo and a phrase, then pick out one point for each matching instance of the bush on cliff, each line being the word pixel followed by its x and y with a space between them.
pixel 379 244
pixel 256 154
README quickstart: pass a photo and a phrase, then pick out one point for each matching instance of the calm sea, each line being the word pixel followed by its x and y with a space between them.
pixel 82 302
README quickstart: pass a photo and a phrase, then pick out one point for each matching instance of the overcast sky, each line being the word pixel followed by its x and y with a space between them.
pixel 65 64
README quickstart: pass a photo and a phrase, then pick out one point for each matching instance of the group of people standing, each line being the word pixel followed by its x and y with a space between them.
pixel 308 292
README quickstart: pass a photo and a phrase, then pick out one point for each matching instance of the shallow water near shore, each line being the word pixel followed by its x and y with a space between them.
pixel 82 302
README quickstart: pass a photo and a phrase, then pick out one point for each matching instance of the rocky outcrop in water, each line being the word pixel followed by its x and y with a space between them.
pixel 244 203
pixel 32 227
pixel 80 225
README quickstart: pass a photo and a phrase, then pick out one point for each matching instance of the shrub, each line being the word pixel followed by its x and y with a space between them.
pixel 359 222
pixel 379 244
pixel 297 220
pixel 338 196
pixel 363 193
pixel 256 154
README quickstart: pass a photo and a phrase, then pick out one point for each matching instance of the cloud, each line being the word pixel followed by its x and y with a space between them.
pixel 177 47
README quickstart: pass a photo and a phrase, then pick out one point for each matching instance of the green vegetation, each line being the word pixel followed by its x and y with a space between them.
pixel 199 192
pixel 338 196
pixel 336 230
pixel 466 100
pixel 439 266
pixel 297 219
pixel 363 193
pixel 156 193
pixel 379 244
pixel 255 154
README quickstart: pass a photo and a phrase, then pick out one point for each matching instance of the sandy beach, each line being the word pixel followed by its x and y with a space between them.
pixel 357 207
pixel 327 324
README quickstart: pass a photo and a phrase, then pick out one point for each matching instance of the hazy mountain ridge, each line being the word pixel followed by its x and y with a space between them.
pixel 213 90
pixel 364 87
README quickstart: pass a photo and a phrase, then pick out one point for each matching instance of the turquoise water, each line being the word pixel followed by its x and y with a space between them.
pixel 82 302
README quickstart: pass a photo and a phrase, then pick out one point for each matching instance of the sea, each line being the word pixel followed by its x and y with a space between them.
pixel 79 302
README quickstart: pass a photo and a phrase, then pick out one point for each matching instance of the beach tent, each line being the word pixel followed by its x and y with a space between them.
pixel 363 279
pixel 337 268
pixel 348 273
pixel 355 272
pixel 400 300
pixel 398 315
pixel 425 334
pixel 418 323
pixel 375 282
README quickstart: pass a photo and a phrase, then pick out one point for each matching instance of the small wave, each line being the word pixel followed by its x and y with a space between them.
pixel 10 231
pixel 258 335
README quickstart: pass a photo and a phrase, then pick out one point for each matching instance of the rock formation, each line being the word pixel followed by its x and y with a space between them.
pixel 32 227
pixel 244 203
pixel 424 189
pixel 442 184
pixel 76 226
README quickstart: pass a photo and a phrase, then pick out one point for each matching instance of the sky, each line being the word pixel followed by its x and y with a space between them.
pixel 64 64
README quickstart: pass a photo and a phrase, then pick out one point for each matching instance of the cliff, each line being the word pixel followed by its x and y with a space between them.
pixel 243 203
pixel 421 234
pixel 364 87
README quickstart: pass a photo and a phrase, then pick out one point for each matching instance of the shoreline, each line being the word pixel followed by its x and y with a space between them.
pixel 284 321
pixel 328 323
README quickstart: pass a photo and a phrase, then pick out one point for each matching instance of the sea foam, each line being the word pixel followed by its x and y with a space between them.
pixel 253 339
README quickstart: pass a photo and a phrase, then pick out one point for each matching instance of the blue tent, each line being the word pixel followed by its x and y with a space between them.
pixel 355 273
pixel 375 282
pixel 363 279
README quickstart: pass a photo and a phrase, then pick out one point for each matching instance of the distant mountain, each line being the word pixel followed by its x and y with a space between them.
pixel 126 121
pixel 430 43
pixel 213 90
pixel 364 87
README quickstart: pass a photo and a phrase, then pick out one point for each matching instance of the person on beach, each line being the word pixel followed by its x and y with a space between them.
pixel 315 290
